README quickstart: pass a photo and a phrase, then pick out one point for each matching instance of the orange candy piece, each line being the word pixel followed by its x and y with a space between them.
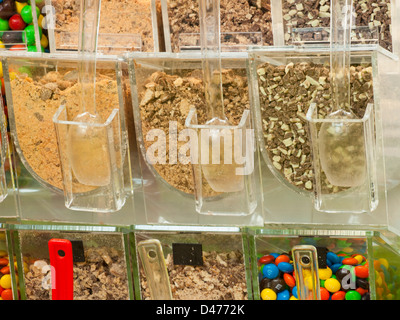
pixel 289 280
pixel 5 270
pixel 339 295
pixel 3 261
pixel 282 258
pixel 361 272
pixel 7 294
pixel 350 261
pixel 324 294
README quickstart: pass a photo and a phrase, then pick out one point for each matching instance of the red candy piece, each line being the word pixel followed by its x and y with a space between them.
pixel 18 47
pixel 339 295
pixel 282 258
pixel 16 22
pixel 289 280
pixel 266 259
pixel 361 291
pixel 350 261
pixel 361 272
pixel 324 294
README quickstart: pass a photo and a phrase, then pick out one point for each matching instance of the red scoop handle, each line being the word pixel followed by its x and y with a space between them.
pixel 61 261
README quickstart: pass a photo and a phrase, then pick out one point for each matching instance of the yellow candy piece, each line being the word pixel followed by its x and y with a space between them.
pixel 359 258
pixel 293 298
pixel 268 294
pixel 325 273
pixel 348 250
pixel 2 45
pixel 13 75
pixel 44 42
pixel 378 279
pixel 332 285
pixel 5 281
pixel 19 6
pixel 384 262
pixel 1 70
pixel 40 21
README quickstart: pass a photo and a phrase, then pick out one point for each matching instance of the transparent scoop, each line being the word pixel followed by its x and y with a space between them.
pixel 220 173
pixel 341 143
pixel 87 143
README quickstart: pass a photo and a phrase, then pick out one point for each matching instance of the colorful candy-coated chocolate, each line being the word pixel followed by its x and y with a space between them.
pixel 270 271
pixel 352 295
pixel 285 267
pixel 295 293
pixel 284 295
pixel 350 261
pixel 10 37
pixel 339 295
pixel 26 14
pixel 278 285
pixel 19 5
pixel 331 256
pixel 265 283
pixel 16 22
pixel 5 281
pixel 29 35
pixel 282 258
pixel 4 25
pixel 361 272
pixel 289 280
pixel 324 294
pixel 44 42
pixel 332 285
pixel 324 273
pixel 266 259
pixel 268 294
pixel 7 9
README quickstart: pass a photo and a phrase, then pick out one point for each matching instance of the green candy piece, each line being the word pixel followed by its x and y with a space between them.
pixel 352 295
pixel 26 70
pixel 29 35
pixel 4 25
pixel 33 48
pixel 26 14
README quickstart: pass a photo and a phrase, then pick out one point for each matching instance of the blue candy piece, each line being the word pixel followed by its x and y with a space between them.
pixel 270 271
pixel 332 257
pixel 284 295
pixel 294 292
pixel 335 267
pixel 275 255
pixel 285 267
pixel 328 263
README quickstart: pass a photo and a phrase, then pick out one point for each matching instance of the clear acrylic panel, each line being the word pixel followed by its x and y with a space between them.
pixel 52 81
pixel 164 90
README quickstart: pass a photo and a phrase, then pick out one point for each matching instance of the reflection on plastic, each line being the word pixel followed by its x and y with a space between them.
pixel 155 269
pixel 305 262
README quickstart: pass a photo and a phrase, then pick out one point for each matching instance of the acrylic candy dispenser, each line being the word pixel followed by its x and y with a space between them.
pixel 284 84
pixel 165 87
pixel 182 32
pixel 369 269
pixel 72 262
pixel 191 263
pixel 9 281
pixel 352 154
pixel 131 26
pixel 308 23
pixel 44 179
